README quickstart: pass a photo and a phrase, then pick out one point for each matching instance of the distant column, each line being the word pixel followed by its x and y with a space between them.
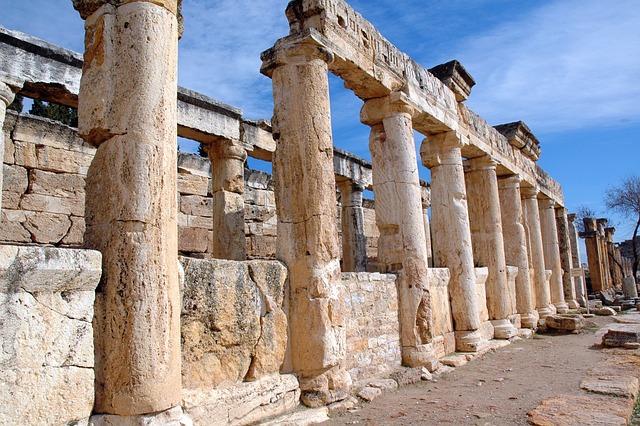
pixel 564 245
pixel 536 251
pixel 594 254
pixel 452 236
pixel 426 203
pixel 6 97
pixel 602 239
pixel 488 245
pixel 552 253
pixel 576 262
pixel 354 241
pixel 128 111
pixel 398 207
pixel 305 191
pixel 227 187
pixel 515 247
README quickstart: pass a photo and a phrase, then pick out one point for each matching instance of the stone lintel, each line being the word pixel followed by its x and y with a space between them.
pixel 456 78
pixel 351 167
pixel 87 8
pixel 259 135
pixel 520 136
pixel 299 48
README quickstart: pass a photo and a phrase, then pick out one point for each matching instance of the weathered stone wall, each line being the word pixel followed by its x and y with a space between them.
pixel 46 334
pixel 373 336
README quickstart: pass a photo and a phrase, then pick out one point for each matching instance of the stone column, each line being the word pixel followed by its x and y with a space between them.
pixel 426 203
pixel 551 249
pixel 488 245
pixel 354 242
pixel 127 110
pixel 576 262
pixel 564 246
pixel 6 97
pixel 305 191
pixel 594 254
pixel 451 234
pixel 606 271
pixel 536 255
pixel 401 245
pixel 515 247
pixel 227 187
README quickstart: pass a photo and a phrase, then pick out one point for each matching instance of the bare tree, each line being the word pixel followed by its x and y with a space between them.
pixel 625 199
pixel 583 211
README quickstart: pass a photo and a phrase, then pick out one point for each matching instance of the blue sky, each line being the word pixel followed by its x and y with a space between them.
pixel 570 69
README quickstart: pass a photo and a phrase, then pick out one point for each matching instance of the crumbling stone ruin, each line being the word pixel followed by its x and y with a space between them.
pixel 138 285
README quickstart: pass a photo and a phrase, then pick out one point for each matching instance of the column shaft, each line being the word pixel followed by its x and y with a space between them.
pixel 451 234
pixel 354 241
pixel 536 255
pixel 564 245
pixel 515 247
pixel 401 245
pixel 576 262
pixel 227 187
pixel 127 109
pixel 488 245
pixel 426 203
pixel 307 230
pixel 551 249
pixel 6 97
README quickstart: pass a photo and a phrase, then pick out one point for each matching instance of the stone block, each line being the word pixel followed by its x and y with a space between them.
pixel 75 236
pixel 619 334
pixel 606 311
pixel 56 184
pixel 369 393
pixel 242 404
pixel 196 205
pixel 12 226
pixel 623 386
pixel 49 204
pixel 62 160
pixel 193 240
pixel 47 228
pixel 174 416
pixel 385 384
pixel 407 376
pixel 568 410
pixel 15 179
pixel 10 200
pixel 454 360
pixel 567 322
pixel 25 155
pixel 193 184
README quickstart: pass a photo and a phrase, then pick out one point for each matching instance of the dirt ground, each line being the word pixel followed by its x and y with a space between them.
pixel 497 389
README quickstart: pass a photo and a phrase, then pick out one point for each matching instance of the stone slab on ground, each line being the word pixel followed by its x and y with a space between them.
pixel 454 360
pixel 569 410
pixel 619 334
pixel 566 322
pixel 302 417
pixel 623 386
pixel 369 393
pixel 629 318
pixel 407 376
pixel 385 384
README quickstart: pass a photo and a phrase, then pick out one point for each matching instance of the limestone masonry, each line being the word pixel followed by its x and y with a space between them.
pixel 140 285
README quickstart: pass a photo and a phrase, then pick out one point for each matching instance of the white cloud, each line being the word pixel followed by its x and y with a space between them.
pixel 569 64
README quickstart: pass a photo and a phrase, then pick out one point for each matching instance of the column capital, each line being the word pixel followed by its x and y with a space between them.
pixel 510 182
pixel 528 192
pixel 425 196
pixel 7 94
pixel 375 110
pixel 484 162
pixel 560 210
pixel 349 185
pixel 227 149
pixel 299 49
pixel 546 203
pixel 571 217
pixel 442 148
pixel 87 8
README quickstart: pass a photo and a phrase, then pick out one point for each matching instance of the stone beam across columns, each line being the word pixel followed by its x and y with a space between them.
pixel 536 252
pixel 402 246
pixel 305 191
pixel 515 247
pixel 6 97
pixel 451 234
pixel 551 249
pixel 127 110
pixel 576 262
pixel 488 245
pixel 564 246
pixel 227 188
pixel 354 241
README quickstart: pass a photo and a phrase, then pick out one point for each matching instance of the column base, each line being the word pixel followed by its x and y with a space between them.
pixel 503 329
pixel 546 311
pixel 420 356
pixel 331 386
pixel 573 304
pixel 171 417
pixel 529 320
pixel 470 341
pixel 561 307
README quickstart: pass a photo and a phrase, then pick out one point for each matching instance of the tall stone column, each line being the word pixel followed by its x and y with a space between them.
pixel 551 249
pixel 594 254
pixel 564 246
pixel 488 245
pixel 354 241
pixel 576 262
pixel 227 187
pixel 515 247
pixel 305 204
pixel 426 203
pixel 401 245
pixel 536 255
pixel 127 110
pixel 6 97
pixel 451 234
pixel 606 270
